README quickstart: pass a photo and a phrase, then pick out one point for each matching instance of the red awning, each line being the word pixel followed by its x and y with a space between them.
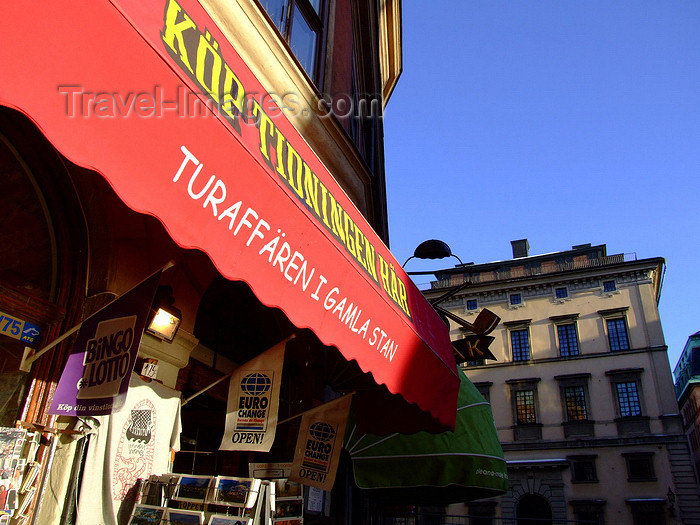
pixel 119 87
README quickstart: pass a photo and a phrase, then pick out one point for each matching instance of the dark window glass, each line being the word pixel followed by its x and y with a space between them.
pixel 303 41
pixel 583 470
pixel 640 468
pixel 585 517
pixel 575 399
pixel 628 399
pixel 485 391
pixel 472 304
pixel 300 23
pixel 568 342
pixel 516 298
pixel 561 293
pixel 525 406
pixel 276 9
pixel 521 345
pixel 617 334
pixel 609 286
pixel 649 517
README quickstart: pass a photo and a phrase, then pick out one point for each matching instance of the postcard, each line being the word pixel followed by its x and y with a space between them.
pixel 235 492
pixel 192 488
pixel 287 489
pixel 147 515
pixel 185 517
pixel 221 519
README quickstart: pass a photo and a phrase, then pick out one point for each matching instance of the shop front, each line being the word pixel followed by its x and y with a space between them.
pixel 136 136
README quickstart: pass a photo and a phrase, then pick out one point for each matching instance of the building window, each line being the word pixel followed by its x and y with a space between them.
pixel 609 286
pixel 561 293
pixel 568 341
pixel 589 512
pixel 575 401
pixel 472 304
pixel 583 469
pixel 516 299
pixel 617 334
pixel 520 344
pixel 573 389
pixel 648 512
pixel 523 394
pixel 640 466
pixel 300 22
pixel 525 407
pixel 484 389
pixel 628 399
pixel 482 512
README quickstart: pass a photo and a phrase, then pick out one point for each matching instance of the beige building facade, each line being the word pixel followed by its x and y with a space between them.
pixel 687 374
pixel 581 388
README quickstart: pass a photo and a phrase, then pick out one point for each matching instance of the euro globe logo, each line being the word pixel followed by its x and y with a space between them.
pixel 322 431
pixel 256 384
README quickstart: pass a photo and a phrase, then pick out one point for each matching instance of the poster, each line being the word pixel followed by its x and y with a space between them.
pixel 319 443
pixel 253 399
pixel 96 377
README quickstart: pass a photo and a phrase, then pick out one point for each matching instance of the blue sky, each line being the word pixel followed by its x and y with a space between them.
pixel 563 122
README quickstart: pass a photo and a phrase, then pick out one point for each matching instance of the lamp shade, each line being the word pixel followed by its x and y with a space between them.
pixel 432 249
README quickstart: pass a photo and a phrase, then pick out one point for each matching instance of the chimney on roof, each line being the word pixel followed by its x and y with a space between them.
pixel 521 248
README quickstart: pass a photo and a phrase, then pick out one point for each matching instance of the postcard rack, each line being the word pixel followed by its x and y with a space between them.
pixel 19 471
pixel 204 500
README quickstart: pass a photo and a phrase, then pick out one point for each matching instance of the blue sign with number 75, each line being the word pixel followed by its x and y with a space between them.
pixel 18 329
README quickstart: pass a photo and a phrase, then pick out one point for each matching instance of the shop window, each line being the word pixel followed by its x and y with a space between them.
pixel 568 339
pixel 301 24
pixel 640 466
pixel 583 469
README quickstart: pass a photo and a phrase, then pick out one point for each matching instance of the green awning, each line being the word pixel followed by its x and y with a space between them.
pixel 424 468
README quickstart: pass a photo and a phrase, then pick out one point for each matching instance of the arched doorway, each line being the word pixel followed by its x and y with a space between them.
pixel 533 509
pixel 44 261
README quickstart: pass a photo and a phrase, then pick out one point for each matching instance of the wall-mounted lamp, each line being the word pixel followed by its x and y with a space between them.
pixel 432 249
pixel 165 318
pixel 473 346
pixel 671 497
